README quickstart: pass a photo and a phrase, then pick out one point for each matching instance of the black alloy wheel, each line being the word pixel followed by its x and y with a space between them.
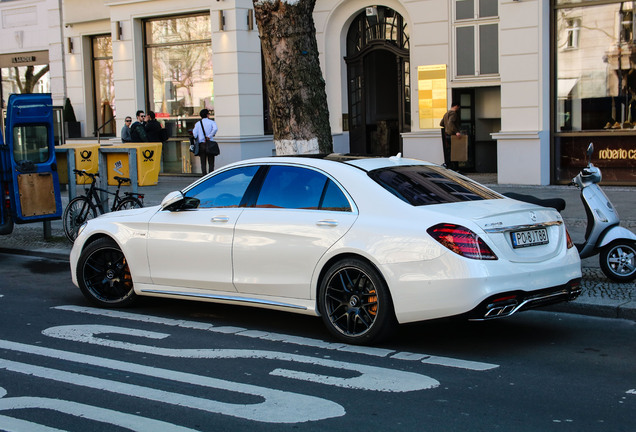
pixel 355 304
pixel 103 275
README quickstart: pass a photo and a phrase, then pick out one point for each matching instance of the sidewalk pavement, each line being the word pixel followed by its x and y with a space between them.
pixel 600 297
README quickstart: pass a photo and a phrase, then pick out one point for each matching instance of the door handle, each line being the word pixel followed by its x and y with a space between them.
pixel 220 219
pixel 327 223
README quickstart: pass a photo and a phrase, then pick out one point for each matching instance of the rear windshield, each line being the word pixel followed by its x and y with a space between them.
pixel 421 185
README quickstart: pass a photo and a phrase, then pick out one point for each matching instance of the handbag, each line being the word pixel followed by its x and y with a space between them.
pixel 212 146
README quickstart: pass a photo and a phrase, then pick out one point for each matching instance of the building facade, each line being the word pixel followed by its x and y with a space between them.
pixel 537 79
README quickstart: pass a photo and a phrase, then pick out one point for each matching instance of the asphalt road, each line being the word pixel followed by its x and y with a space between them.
pixel 176 365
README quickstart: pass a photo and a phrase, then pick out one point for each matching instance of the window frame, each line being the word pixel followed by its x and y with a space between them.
pixel 189 120
pixel 476 22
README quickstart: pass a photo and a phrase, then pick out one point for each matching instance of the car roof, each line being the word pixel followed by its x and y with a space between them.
pixel 364 163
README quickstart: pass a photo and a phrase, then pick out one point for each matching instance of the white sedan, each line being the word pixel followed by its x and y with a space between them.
pixel 363 243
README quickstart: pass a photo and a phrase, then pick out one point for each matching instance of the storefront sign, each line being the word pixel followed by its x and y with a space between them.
pixel 431 90
pixel 614 154
pixel 24 59
pixel 608 154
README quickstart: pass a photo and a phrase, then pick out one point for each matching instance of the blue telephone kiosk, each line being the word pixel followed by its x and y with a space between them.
pixel 28 170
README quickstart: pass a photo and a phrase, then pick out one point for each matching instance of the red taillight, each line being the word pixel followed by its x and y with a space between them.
pixel 462 241
pixel 569 239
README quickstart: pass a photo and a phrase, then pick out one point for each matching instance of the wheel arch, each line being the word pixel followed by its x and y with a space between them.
pixel 96 236
pixel 338 257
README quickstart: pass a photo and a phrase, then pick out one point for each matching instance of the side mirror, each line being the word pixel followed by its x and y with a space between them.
pixel 171 199
pixel 590 150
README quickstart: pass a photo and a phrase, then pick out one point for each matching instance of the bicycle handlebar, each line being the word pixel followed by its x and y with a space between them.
pixel 83 172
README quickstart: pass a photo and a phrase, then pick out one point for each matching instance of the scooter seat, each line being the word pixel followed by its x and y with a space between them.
pixel 556 203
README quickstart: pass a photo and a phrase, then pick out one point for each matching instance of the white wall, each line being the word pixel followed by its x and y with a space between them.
pixel 33 25
pixel 523 145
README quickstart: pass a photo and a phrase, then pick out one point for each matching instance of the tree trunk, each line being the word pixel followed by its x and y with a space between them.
pixel 30 79
pixel 296 89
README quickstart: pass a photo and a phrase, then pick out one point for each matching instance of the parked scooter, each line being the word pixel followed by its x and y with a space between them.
pixel 603 235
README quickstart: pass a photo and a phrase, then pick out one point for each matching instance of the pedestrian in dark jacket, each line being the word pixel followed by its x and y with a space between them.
pixel 450 126
pixel 153 128
pixel 138 130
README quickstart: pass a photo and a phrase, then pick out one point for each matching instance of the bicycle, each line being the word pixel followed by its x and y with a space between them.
pixel 85 207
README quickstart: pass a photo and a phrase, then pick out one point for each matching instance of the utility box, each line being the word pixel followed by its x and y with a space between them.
pixel 86 158
pixel 148 162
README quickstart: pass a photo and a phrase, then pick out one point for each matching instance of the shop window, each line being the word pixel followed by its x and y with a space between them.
pixel 476 38
pixel 179 70
pixel 595 84
pixel 25 79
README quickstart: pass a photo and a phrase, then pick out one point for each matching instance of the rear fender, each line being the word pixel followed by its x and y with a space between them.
pixel 616 233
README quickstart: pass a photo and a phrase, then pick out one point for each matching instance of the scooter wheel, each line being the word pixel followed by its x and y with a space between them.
pixel 618 261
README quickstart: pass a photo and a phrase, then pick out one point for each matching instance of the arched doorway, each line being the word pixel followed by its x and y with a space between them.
pixel 378 81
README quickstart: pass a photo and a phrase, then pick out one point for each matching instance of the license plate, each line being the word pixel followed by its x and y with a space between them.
pixel 529 238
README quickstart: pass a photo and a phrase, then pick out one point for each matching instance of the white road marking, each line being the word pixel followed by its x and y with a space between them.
pixel 9 424
pixel 315 343
pixel 277 406
pixel 366 377
pixel 103 415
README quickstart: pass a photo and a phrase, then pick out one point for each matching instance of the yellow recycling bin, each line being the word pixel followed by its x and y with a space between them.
pixel 148 162
pixel 86 158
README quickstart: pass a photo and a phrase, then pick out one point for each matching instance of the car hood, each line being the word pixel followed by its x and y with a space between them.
pixel 495 220
pixel 137 212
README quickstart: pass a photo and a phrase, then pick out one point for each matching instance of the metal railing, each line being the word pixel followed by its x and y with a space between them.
pixel 102 127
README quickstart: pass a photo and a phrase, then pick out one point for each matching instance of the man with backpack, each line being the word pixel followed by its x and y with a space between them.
pixel 138 128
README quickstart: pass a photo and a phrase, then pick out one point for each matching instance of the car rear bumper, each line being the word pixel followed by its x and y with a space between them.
pixel 507 303
pixel 448 287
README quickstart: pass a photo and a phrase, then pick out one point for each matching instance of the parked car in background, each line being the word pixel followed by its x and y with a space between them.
pixel 364 243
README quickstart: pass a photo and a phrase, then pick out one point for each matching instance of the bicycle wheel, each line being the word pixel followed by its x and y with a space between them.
pixel 79 210
pixel 129 203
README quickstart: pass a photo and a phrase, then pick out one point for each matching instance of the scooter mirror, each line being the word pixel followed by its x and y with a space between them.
pixel 590 150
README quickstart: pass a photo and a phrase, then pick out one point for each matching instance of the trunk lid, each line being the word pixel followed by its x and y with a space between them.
pixel 539 232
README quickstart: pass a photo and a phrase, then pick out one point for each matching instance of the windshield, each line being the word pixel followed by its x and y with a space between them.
pixel 421 185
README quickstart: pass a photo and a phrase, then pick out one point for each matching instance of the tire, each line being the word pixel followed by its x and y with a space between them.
pixel 79 210
pixel 618 261
pixel 103 275
pixel 355 304
pixel 129 203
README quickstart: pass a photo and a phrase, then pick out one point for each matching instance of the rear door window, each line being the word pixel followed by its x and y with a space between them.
pixel 292 187
pixel 425 185
pixel 31 144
